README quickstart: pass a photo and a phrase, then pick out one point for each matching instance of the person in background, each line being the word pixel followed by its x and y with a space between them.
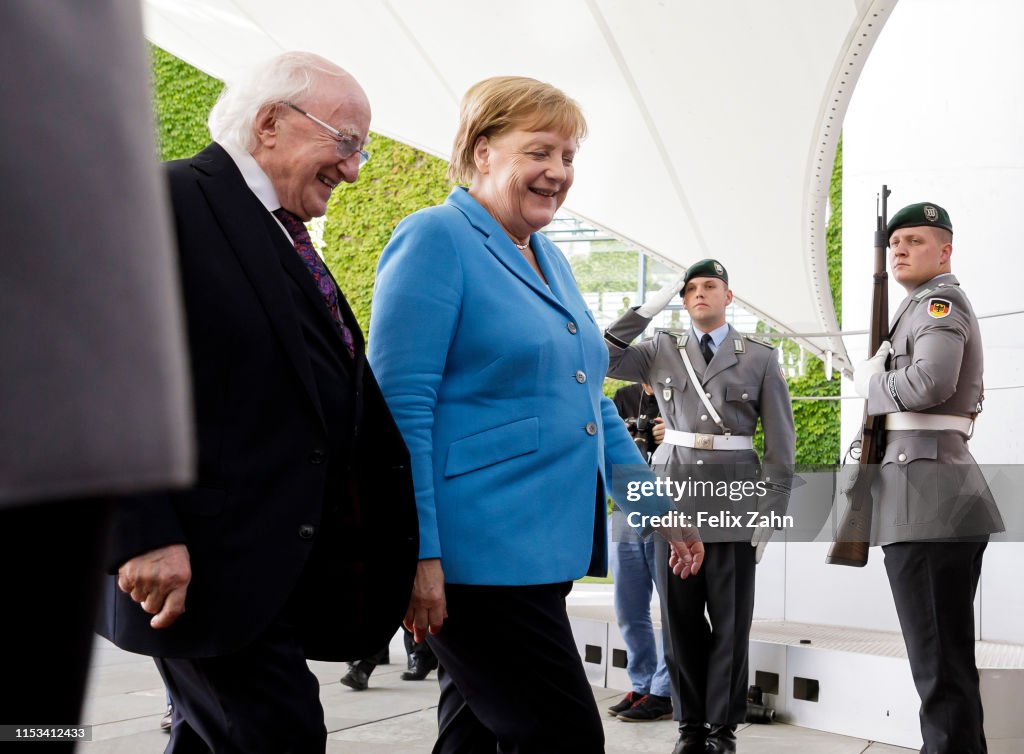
pixel 633 577
pixel 94 391
pixel 493 366
pixel 933 509
pixel 273 556
pixel 420 660
pixel 713 386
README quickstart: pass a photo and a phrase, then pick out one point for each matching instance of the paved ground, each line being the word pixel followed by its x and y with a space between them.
pixel 126 699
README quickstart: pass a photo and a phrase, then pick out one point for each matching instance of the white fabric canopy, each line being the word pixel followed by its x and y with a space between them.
pixel 713 124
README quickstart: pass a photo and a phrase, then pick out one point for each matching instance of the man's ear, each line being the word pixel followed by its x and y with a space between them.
pixel 945 253
pixel 266 125
pixel 728 296
pixel 482 155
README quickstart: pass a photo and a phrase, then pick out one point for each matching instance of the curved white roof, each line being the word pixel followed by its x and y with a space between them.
pixel 713 124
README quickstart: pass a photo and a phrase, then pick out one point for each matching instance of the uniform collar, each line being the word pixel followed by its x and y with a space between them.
pixel 717 335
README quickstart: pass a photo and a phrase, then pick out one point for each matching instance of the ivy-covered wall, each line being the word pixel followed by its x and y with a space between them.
pixel 182 97
pixel 399 180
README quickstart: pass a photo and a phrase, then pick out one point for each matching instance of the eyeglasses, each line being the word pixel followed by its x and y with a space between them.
pixel 345 144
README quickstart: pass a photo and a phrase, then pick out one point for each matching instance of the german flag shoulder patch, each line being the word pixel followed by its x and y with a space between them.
pixel 939 307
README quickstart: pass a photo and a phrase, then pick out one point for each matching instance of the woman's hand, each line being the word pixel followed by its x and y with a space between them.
pixel 427 612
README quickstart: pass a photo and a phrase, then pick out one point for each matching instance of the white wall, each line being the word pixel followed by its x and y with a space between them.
pixel 938 116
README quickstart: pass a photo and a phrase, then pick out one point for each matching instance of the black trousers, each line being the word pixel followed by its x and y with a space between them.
pixel 511 677
pixel 708 663
pixel 933 585
pixel 261 700
pixel 51 561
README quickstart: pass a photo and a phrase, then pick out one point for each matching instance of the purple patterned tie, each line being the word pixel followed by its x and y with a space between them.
pixel 304 245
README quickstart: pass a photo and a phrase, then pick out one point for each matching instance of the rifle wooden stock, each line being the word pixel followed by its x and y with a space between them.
pixel 853 535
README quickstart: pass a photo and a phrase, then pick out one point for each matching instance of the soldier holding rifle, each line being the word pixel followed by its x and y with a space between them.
pixel 933 512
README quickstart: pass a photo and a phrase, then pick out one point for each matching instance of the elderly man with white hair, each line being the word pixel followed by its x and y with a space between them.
pixel 269 559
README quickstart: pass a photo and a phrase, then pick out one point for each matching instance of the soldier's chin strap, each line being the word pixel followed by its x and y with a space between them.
pixel 700 391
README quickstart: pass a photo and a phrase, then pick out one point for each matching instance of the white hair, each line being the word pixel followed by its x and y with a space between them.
pixel 290 76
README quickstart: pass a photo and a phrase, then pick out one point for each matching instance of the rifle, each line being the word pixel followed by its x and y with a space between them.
pixel 853 536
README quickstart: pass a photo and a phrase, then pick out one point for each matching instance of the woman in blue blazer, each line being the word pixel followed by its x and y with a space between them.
pixel 492 365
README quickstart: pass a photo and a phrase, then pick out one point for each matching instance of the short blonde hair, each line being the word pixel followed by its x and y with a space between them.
pixel 497 105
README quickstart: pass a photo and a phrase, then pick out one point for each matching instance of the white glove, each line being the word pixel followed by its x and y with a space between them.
pixel 662 298
pixel 760 541
pixel 875 365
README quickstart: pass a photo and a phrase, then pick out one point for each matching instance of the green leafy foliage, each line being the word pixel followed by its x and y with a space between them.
pixel 400 180
pixel 182 98
pixel 834 233
pixel 396 182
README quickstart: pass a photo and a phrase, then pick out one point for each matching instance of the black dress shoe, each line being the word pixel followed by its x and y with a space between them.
pixel 624 703
pixel 356 679
pixel 649 709
pixel 421 667
pixel 721 738
pixel 692 739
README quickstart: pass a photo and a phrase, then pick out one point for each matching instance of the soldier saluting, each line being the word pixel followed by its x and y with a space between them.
pixel 712 385
pixel 928 486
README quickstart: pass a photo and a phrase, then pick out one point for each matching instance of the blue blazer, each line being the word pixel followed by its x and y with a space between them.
pixel 495 383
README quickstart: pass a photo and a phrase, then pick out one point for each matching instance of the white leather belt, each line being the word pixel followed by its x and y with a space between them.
pixel 708 442
pixel 910 420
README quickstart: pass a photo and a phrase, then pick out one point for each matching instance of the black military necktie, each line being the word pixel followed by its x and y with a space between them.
pixel 705 348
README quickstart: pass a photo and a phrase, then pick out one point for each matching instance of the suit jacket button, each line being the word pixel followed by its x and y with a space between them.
pixel 591 428
pixel 745 396
pixel 703 417
pixel 317 457
pixel 901 457
pixel 571 327
pixel 580 376
pixel 306 531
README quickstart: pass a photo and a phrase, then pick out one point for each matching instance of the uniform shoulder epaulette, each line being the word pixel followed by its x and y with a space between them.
pixel 679 336
pixel 760 340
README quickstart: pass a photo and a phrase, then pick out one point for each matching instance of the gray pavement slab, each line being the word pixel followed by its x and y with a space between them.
pixel 125 700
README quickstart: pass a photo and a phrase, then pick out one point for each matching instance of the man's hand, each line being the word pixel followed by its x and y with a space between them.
pixel 427 611
pixel 158 580
pixel 875 365
pixel 658 431
pixel 660 299
pixel 760 541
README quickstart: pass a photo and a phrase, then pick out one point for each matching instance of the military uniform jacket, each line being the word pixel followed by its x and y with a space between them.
pixel 743 382
pixel 929 485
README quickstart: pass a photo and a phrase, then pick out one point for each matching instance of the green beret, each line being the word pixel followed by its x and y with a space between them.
pixel 923 213
pixel 706 268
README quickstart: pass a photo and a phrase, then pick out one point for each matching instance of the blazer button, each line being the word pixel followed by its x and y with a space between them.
pixel 591 428
pixel 317 457
pixel 703 417
pixel 306 531
pixel 580 377
pixel 901 457
pixel 571 327
pixel 745 396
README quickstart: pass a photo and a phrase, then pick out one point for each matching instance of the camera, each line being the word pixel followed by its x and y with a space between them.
pixel 640 429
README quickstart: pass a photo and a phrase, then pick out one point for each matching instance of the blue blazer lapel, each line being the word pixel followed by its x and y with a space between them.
pixel 500 245
pixel 234 206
